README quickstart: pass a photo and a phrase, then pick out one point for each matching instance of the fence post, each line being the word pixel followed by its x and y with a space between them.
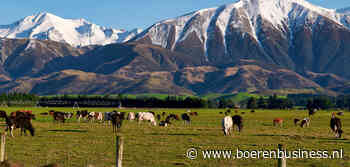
pixel 119 151
pixel 3 144
pixel 281 161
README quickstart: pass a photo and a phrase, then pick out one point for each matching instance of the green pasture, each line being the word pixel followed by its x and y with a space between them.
pixel 86 143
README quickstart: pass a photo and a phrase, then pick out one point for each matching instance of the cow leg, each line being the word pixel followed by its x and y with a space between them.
pixel 24 131
pixel 337 134
pixel 11 130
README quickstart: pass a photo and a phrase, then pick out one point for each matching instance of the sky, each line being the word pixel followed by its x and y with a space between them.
pixel 121 14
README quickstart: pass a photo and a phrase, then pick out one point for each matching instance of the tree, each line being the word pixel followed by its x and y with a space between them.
pixel 252 103
pixel 262 103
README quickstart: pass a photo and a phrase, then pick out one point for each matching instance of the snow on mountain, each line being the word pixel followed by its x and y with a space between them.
pixel 46 26
pixel 243 15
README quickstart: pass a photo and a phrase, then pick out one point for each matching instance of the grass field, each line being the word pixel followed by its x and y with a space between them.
pixel 82 144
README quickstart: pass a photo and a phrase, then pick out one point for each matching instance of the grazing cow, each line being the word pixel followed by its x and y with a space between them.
pixel 91 116
pixel 163 114
pixel 296 120
pixel 253 111
pixel 174 117
pixel 305 123
pixel 99 116
pixel 131 116
pixel 68 115
pixel 168 119
pixel 82 114
pixel 22 121
pixel 117 120
pixel 227 125
pixel 171 117
pixel 158 117
pixel 242 113
pixel 312 112
pixel 51 112
pixel 278 121
pixel 336 126
pixel 146 116
pixel 186 118
pixel 221 113
pixel 59 116
pixel 2 114
pixel 108 116
pixel 238 120
pixel 44 113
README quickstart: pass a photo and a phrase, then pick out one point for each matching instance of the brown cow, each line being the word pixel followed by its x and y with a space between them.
pixel 278 121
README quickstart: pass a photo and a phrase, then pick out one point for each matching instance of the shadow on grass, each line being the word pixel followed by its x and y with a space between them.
pixel 266 124
pixel 175 134
pixel 179 164
pixel 271 135
pixel 68 130
pixel 324 139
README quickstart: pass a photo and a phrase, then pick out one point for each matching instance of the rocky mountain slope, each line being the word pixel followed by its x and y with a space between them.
pixel 288 46
pixel 47 67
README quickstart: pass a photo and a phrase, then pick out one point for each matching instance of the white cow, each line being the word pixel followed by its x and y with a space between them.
pixel 91 116
pixel 131 116
pixel 227 125
pixel 100 116
pixel 146 116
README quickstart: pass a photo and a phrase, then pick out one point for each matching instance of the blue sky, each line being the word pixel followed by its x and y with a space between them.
pixel 127 14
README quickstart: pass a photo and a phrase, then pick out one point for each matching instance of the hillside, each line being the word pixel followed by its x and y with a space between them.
pixel 254 46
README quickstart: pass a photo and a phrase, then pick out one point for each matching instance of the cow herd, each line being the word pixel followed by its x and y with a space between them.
pixel 22 119
pixel 117 118
pixel 229 122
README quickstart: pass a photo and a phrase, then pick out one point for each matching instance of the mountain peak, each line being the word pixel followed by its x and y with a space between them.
pixel 43 15
pixel 76 32
pixel 206 28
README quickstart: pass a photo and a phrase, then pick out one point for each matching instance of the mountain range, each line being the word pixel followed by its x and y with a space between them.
pixel 263 46
pixel 78 33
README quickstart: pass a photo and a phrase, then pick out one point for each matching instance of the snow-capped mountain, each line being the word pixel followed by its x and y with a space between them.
pixel 46 26
pixel 291 33
pixel 244 14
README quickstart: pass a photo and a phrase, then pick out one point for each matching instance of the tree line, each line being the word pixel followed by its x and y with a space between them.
pixel 262 102
pixel 124 101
